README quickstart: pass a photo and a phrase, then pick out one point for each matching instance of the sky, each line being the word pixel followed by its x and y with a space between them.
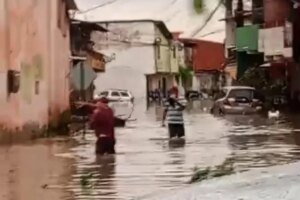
pixel 178 15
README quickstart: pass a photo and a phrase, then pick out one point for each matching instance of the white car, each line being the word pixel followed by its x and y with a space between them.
pixel 116 95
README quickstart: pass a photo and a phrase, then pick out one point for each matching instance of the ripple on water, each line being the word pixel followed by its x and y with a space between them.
pixel 145 163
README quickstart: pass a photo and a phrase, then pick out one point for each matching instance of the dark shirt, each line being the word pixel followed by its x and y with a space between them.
pixel 102 121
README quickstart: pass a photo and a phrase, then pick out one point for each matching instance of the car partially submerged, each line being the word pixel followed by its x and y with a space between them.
pixel 237 100
pixel 115 95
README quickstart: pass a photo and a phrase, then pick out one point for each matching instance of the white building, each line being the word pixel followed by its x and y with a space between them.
pixel 142 51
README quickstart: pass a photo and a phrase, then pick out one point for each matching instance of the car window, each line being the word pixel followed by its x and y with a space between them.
pixel 124 94
pixel 236 93
pixel 104 94
pixel 115 94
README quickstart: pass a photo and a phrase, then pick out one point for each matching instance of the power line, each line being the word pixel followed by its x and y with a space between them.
pixel 213 32
pixel 97 6
pixel 208 18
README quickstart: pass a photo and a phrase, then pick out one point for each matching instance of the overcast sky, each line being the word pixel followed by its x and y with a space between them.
pixel 178 15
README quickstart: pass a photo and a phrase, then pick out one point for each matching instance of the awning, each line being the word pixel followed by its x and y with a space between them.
pixel 265 65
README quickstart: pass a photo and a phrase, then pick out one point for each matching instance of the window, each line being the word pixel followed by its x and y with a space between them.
pixel 231 54
pixel 124 94
pixel 115 94
pixel 158 51
pixel 174 52
pixel 104 94
pixel 188 52
pixel 257 12
pixel 241 93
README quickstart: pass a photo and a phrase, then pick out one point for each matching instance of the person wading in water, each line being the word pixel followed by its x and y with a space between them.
pixel 102 122
pixel 174 115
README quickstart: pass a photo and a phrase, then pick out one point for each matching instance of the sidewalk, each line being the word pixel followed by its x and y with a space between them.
pixel 275 183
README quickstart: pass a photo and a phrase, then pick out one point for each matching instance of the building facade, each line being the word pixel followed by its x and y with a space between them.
pixel 270 41
pixel 206 59
pixel 34 62
pixel 83 52
pixel 145 59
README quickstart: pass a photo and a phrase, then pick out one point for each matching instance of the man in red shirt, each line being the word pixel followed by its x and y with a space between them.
pixel 102 122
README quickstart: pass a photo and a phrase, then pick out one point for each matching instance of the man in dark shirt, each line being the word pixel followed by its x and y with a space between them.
pixel 102 122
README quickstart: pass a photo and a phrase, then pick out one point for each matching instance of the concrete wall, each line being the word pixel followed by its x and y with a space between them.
pixel 35 47
pixel 163 62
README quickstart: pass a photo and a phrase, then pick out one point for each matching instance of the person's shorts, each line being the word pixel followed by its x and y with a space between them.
pixel 105 145
pixel 176 130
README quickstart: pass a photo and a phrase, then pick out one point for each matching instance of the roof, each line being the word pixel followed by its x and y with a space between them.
pixel 71 5
pixel 159 24
pixel 89 25
pixel 178 15
pixel 207 55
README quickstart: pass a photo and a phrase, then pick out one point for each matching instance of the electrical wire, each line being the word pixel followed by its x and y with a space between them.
pixel 213 32
pixel 97 6
pixel 211 15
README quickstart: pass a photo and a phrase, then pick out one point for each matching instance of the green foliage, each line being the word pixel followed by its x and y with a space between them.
pixel 199 6
pixel 226 168
pixel 257 77
pixel 185 73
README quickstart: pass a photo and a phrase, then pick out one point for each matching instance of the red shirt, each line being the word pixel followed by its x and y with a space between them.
pixel 102 121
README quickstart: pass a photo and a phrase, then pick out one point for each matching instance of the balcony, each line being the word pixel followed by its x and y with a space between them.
pixel 247 38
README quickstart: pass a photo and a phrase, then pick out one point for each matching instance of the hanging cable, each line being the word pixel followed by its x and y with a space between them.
pixel 97 6
pixel 208 19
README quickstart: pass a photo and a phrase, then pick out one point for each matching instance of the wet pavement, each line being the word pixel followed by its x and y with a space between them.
pixel 147 164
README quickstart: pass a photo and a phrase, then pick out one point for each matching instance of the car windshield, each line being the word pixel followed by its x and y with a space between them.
pixel 241 93
pixel 124 94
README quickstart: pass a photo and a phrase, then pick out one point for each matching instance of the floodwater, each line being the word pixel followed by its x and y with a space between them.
pixel 32 171
pixel 145 163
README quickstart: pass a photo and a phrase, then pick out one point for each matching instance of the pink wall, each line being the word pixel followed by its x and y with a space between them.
pixel 37 48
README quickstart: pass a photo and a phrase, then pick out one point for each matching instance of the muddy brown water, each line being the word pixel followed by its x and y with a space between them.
pixel 145 163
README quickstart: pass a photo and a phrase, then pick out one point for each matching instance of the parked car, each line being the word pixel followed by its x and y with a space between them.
pixel 193 94
pixel 116 95
pixel 237 100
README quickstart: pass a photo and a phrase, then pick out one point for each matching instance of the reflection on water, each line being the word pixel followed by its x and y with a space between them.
pixel 146 162
pixel 260 142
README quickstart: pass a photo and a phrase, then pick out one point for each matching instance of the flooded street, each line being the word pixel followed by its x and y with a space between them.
pixel 145 162
pixel 33 171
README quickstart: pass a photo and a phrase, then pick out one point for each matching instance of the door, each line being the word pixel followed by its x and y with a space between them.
pixel 164 87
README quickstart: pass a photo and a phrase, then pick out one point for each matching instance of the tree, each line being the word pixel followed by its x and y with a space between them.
pixel 199 6
pixel 186 75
